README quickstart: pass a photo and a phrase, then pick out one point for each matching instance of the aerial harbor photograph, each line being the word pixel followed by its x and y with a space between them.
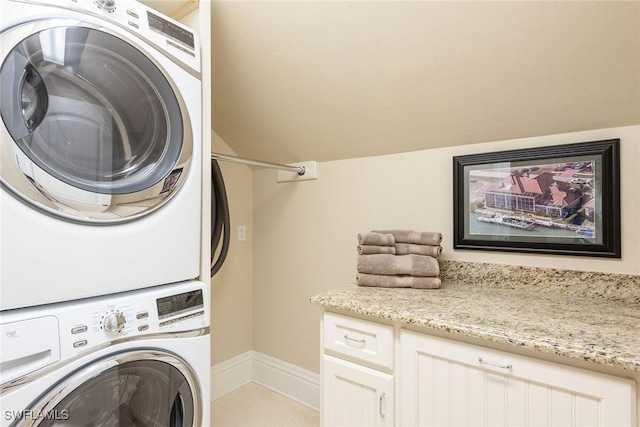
pixel 555 200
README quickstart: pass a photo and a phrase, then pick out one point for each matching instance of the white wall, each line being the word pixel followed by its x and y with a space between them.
pixel 305 232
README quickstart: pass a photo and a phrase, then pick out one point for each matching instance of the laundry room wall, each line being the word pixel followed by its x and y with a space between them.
pixel 231 287
pixel 305 232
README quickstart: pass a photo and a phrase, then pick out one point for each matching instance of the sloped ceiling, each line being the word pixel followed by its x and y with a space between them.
pixel 326 80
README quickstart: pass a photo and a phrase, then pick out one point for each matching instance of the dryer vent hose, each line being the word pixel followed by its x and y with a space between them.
pixel 219 218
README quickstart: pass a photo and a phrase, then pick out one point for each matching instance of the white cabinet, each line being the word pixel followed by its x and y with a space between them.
pixel 357 372
pixel 445 382
pixel 354 395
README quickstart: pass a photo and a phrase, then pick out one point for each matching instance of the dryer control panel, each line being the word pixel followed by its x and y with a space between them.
pixel 162 32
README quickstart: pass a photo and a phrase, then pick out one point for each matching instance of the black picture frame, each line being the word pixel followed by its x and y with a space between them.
pixel 560 199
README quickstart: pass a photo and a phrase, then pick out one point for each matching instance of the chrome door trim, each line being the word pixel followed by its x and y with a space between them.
pixel 18 172
pixel 48 401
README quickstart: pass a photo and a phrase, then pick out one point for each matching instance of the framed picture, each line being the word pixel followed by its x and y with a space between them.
pixel 562 199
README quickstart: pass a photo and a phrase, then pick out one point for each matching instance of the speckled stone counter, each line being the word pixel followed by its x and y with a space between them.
pixel 588 321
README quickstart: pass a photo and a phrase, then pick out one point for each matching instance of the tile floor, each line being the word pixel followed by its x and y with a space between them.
pixel 253 405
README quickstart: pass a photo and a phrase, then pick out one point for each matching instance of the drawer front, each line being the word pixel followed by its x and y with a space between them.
pixel 359 339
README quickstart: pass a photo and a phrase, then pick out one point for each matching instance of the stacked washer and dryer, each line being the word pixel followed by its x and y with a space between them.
pixel 103 322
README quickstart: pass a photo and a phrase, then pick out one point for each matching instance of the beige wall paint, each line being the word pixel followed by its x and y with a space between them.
pixel 305 232
pixel 231 288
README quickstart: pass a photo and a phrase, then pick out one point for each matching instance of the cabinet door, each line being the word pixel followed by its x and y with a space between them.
pixel 354 395
pixel 448 383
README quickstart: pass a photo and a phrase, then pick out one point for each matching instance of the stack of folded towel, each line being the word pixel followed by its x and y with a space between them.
pixel 399 259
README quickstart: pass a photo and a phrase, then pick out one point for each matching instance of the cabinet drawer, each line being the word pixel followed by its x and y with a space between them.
pixel 359 339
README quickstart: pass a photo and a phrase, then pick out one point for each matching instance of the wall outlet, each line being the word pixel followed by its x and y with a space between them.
pixel 242 233
pixel 311 172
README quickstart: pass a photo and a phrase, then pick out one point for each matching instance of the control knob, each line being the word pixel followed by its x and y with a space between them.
pixel 113 321
pixel 108 5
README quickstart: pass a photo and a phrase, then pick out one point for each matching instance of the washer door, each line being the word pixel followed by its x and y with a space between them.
pixel 142 389
pixel 94 131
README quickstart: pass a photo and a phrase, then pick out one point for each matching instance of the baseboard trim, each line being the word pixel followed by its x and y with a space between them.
pixel 284 378
pixel 231 374
pixel 290 380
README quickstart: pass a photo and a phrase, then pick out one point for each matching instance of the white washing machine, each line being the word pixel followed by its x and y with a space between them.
pixel 140 358
pixel 100 148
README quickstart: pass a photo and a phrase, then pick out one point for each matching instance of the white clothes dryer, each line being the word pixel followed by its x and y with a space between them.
pixel 139 358
pixel 100 149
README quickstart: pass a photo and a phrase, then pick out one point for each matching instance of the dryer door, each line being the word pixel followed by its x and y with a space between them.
pixel 144 389
pixel 94 131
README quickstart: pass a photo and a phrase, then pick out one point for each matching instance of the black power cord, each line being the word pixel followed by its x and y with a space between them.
pixel 219 218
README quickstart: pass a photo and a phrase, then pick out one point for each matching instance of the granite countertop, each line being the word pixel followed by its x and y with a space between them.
pixel 594 329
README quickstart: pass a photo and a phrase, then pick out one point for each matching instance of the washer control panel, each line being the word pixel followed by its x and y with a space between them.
pixel 84 324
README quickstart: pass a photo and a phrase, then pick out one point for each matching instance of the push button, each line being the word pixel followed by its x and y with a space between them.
pixel 143 328
pixel 79 329
pixel 142 315
pixel 80 343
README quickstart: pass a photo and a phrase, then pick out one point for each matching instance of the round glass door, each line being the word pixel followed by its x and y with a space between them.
pixel 92 123
pixel 157 390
